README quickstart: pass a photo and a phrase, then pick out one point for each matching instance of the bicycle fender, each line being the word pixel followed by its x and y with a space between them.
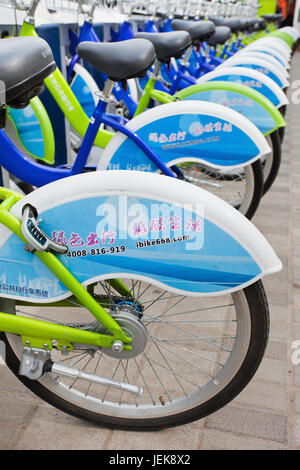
pixel 260 65
pixel 293 32
pixel 276 43
pixel 267 49
pixel 251 78
pixel 84 88
pixel 190 131
pixel 137 225
pixel 263 56
pixel 247 101
pixel 284 36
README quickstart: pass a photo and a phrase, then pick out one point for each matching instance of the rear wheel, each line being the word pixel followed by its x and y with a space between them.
pixel 193 355
pixel 271 163
pixel 241 187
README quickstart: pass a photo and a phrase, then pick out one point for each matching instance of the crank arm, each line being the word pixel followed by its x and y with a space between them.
pixel 74 372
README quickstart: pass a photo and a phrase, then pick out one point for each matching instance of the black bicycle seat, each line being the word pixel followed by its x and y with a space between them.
pixel 272 17
pixel 119 60
pixel 220 36
pixel 168 45
pixel 233 23
pixel 198 30
pixel 25 63
pixel 251 25
pixel 278 17
pixel 245 25
pixel 260 24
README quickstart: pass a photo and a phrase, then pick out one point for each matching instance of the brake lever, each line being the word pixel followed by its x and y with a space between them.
pixel 36 237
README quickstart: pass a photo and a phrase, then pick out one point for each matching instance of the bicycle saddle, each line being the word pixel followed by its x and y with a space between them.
pixel 168 45
pixel 198 30
pixel 220 36
pixel 25 63
pixel 251 25
pixel 260 24
pixel 278 17
pixel 119 60
pixel 272 17
pixel 245 25
pixel 233 23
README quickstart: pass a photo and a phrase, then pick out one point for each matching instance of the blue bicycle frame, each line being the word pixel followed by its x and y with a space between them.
pixel 38 175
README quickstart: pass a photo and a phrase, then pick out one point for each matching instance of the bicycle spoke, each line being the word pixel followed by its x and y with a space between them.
pixel 144 381
pixel 198 310
pixel 170 369
pixel 83 368
pixel 156 300
pixel 114 374
pixel 170 308
pixel 186 350
pixel 177 375
pixel 157 376
pixel 185 360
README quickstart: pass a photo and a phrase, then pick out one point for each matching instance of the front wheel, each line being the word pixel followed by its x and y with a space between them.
pixel 192 355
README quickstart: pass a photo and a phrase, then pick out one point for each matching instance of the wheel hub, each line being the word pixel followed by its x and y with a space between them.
pixel 133 328
pixel 127 317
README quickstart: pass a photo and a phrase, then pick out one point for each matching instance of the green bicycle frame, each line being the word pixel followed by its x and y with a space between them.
pixel 66 100
pixel 163 97
pixel 39 333
pixel 46 128
pixel 150 92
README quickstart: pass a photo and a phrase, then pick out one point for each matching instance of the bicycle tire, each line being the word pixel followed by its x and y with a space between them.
pixel 274 165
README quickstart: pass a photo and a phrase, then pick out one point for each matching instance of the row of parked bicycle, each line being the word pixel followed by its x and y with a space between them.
pixel 164 275
pixel 209 53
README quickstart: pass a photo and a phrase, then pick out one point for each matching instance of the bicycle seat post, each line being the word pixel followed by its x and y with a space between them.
pixel 156 70
pixel 31 12
pixel 186 58
pixel 93 127
pixel 107 91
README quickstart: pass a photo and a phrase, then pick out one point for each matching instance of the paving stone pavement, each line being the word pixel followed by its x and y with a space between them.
pixel 265 416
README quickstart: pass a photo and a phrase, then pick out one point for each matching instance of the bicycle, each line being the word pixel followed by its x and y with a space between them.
pixel 94 345
pixel 122 243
